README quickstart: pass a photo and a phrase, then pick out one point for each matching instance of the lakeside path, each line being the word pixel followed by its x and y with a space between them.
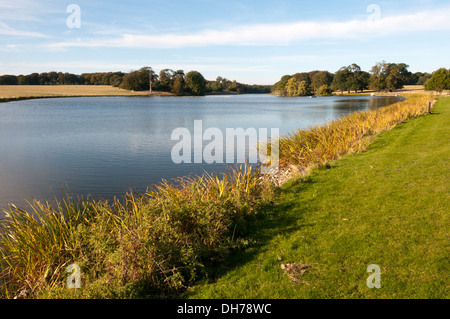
pixel 388 206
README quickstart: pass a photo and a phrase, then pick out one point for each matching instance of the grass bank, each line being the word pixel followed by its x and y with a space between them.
pixel 167 240
pixel 387 206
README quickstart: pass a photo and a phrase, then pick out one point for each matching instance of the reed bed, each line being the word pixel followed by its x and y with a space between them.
pixel 351 133
pixel 155 242
pixel 162 241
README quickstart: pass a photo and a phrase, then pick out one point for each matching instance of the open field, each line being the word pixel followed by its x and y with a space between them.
pixel 418 89
pixel 35 91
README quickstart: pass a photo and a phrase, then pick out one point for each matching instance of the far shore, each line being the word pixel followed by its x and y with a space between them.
pixel 24 92
pixel 406 90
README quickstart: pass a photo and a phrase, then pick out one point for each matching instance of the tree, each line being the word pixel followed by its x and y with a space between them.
pixel 389 76
pixel 324 90
pixel 195 83
pixel 298 85
pixel 439 81
pixel 70 78
pixel 351 78
pixel 280 86
pixel 138 80
pixel 52 77
pixel 303 76
pixel 216 86
pixel 178 83
pixel 341 80
pixel 8 79
pixel 115 80
pixel 377 81
pixel 360 81
pixel 422 77
pixel 131 82
pixel 232 86
pixel 400 73
pixel 320 78
pixel 295 87
pixel 22 80
pixel 166 80
pixel 43 78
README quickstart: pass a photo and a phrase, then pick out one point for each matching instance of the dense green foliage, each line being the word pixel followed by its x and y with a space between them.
pixel 382 77
pixel 138 80
pixel 195 83
pixel 320 79
pixel 302 84
pixel 280 86
pixel 296 87
pixel 418 78
pixel 389 76
pixel 224 85
pixel 55 78
pixel 324 90
pixel 439 81
pixel 8 80
pixel 350 78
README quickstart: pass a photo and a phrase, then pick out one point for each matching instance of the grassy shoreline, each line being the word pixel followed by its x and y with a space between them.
pixel 387 206
pixel 160 243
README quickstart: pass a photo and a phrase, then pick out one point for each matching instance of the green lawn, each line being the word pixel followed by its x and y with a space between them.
pixel 388 206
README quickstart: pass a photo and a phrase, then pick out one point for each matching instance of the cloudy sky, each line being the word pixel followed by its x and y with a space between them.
pixel 249 41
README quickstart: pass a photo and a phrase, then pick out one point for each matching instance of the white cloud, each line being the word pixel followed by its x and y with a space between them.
pixel 275 34
pixel 24 10
pixel 10 47
pixel 7 30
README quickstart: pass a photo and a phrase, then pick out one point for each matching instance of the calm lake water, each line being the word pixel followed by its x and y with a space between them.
pixel 104 146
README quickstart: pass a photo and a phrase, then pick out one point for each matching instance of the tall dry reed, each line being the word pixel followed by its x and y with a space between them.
pixel 158 241
pixel 351 133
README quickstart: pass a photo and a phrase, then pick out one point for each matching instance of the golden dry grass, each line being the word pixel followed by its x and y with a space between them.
pixel 24 91
pixel 407 89
pixel 351 133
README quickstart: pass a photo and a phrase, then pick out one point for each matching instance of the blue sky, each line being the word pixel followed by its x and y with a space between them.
pixel 253 42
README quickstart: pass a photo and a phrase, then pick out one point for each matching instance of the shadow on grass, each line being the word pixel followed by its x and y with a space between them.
pixel 273 220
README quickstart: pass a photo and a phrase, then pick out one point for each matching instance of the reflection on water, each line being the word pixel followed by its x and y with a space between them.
pixel 105 145
pixel 361 104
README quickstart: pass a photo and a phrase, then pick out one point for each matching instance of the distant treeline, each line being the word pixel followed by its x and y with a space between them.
pixel 167 80
pixel 60 78
pixel 382 77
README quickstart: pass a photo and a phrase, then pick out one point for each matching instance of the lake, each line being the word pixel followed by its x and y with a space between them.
pixel 104 146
